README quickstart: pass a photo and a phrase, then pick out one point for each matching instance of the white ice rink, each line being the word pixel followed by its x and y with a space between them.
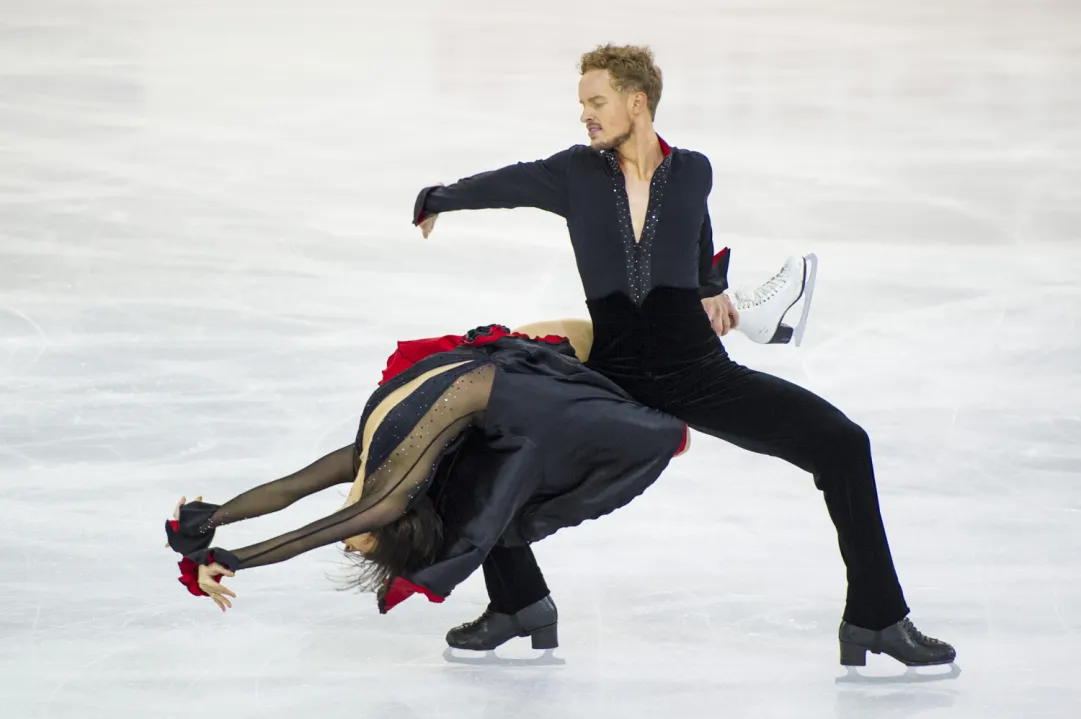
pixel 206 257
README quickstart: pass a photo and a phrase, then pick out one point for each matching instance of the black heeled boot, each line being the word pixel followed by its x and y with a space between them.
pixel 492 629
pixel 902 641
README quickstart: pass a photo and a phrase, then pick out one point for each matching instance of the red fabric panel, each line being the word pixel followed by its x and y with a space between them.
pixel 410 352
pixel 686 440
pixel 401 589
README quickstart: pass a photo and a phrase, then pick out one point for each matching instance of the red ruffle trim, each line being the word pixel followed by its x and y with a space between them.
pixel 402 589
pixel 498 333
pixel 189 575
pixel 410 352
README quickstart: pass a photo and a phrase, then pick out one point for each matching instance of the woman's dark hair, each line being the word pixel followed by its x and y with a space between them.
pixel 410 542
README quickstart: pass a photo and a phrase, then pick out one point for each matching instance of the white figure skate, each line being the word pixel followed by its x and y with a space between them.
pixel 762 310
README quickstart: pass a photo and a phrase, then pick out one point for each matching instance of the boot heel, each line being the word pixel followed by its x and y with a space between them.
pixel 545 637
pixel 782 336
pixel 853 655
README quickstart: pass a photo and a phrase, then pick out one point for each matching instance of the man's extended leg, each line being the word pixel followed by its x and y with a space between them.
pixel 769 415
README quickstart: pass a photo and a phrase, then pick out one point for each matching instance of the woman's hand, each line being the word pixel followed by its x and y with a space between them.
pixel 218 592
pixel 208 575
pixel 176 512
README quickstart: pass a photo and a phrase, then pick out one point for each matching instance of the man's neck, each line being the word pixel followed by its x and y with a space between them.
pixel 640 154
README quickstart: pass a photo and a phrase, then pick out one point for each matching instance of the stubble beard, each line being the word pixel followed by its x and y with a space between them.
pixel 607 145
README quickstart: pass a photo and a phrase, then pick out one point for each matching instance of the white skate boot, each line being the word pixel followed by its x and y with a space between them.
pixel 762 309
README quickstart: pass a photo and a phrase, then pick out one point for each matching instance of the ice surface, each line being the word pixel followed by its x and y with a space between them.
pixel 206 256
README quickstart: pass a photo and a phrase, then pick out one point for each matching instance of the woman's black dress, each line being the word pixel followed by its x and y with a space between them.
pixel 513 440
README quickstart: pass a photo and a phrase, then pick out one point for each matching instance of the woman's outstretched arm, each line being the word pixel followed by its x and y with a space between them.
pixel 201 518
pixel 395 468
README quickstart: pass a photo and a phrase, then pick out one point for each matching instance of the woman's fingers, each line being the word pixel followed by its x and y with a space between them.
pixel 220 597
pixel 216 568
pixel 209 585
pixel 181 503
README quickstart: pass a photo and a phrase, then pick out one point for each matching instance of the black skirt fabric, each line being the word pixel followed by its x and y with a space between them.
pixel 558 445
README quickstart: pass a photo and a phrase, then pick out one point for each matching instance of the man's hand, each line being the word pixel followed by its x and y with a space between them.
pixel 722 314
pixel 427 225
pixel 429 222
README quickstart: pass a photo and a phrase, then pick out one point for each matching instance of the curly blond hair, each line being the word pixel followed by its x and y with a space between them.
pixel 631 67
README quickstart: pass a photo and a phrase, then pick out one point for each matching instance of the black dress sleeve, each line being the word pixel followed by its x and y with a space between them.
pixel 392 483
pixel 541 184
pixel 371 512
pixel 194 531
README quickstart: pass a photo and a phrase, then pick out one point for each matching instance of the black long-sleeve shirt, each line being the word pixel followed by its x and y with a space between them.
pixel 587 188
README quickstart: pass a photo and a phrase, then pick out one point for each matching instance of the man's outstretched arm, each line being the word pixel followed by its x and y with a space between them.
pixel 541 184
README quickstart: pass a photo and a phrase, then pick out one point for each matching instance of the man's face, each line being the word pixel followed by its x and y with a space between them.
pixel 606 112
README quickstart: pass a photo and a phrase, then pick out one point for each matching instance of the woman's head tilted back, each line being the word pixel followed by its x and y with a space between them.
pixel 408 543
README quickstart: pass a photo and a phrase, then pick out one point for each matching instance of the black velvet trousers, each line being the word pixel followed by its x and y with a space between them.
pixel 513 579
pixel 766 415
pixel 663 353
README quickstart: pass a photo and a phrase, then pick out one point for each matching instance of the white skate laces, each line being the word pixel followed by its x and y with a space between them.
pixel 762 309
pixel 747 299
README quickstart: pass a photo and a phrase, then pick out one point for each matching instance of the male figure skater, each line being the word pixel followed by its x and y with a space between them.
pixel 637 214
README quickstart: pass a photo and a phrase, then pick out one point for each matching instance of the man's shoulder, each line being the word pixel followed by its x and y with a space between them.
pixel 574 153
pixel 578 151
pixel 691 156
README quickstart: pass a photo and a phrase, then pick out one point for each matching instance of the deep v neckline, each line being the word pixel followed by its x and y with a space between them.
pixel 637 251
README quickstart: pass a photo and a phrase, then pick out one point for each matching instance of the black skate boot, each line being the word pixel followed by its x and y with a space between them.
pixel 492 629
pixel 902 641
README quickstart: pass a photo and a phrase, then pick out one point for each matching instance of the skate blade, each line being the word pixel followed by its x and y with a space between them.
pixel 491 659
pixel 810 275
pixel 786 333
pixel 912 675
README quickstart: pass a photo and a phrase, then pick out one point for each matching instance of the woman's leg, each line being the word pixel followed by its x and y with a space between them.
pixel 578 332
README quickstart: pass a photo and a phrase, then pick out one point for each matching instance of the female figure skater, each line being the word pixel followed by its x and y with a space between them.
pixel 491 437
pixel 469 441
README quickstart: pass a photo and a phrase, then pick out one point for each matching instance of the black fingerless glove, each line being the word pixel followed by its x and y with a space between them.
pixel 192 532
